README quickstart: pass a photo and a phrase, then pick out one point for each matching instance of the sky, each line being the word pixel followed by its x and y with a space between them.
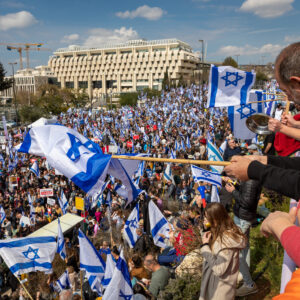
pixel 252 31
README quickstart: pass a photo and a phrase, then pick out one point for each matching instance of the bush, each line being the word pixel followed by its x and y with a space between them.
pixel 128 99
pixel 30 114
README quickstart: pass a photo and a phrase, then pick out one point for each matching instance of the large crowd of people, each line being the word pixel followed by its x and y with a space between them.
pixel 204 238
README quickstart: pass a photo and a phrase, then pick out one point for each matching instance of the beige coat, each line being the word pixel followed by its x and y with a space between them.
pixel 220 269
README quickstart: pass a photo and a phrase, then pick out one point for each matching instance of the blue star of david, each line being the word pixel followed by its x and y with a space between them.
pixel 206 174
pixel 213 157
pixel 133 223
pixel 243 114
pixel 234 82
pixel 33 251
pixel 126 297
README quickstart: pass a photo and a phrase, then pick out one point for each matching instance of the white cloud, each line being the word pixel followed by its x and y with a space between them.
pixel 102 36
pixel 267 8
pixel 145 11
pixel 17 20
pixel 70 38
pixel 292 38
pixel 230 50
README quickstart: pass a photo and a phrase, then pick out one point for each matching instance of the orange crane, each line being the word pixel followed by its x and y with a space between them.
pixel 24 46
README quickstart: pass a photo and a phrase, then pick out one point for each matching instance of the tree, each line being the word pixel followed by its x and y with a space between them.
pixel 128 99
pixel 151 93
pixel 261 76
pixel 4 82
pixel 229 61
pixel 165 83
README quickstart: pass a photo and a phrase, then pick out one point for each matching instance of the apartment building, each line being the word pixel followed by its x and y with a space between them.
pixel 131 66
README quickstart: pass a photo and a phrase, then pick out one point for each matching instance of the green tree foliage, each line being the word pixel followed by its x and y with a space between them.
pixel 128 99
pixel 229 61
pixel 260 76
pixel 4 83
pixel 165 82
pixel 151 93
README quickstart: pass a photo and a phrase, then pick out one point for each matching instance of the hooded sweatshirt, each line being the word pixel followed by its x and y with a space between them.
pixel 220 268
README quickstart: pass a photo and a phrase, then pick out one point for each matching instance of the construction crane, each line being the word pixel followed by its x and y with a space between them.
pixel 26 47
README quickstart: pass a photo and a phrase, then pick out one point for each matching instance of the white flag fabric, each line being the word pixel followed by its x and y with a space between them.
pixel 120 287
pixel 200 174
pixel 214 194
pixel 229 86
pixel 109 270
pixel 158 225
pixel 238 115
pixel 63 282
pixel 2 214
pixel 90 259
pixel 35 169
pixel 29 254
pixel 61 247
pixel 214 155
pixel 78 158
pixel 168 173
pixel 63 202
pixel 131 225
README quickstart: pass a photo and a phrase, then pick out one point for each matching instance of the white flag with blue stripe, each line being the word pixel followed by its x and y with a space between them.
pixel 35 169
pixel 90 259
pixel 69 152
pixel 109 270
pixel 214 155
pixel 2 214
pixel 158 224
pixel 131 225
pixel 238 115
pixel 200 174
pixel 188 143
pixel 63 202
pixel 120 287
pixel 214 194
pixel 229 86
pixel 61 247
pixel 29 254
pixel 63 282
pixel 168 174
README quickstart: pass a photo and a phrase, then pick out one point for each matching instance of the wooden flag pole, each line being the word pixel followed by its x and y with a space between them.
pixel 176 161
pixel 270 100
pixel 23 286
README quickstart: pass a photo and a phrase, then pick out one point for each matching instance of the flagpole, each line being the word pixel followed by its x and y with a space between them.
pixel 23 286
pixel 270 100
pixel 176 161
pixel 81 290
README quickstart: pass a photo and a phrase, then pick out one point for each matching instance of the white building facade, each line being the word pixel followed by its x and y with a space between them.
pixel 126 67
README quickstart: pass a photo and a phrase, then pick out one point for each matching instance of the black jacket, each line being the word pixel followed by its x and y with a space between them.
pixel 281 174
pixel 246 200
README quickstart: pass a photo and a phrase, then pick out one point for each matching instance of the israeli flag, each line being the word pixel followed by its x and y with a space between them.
pixel 229 86
pixel 177 146
pixel 61 247
pixel 29 254
pixel 182 145
pixel 120 287
pixel 206 176
pixel 188 144
pixel 131 225
pixel 95 283
pixel 73 155
pixel 35 169
pixel 214 194
pixel 158 225
pixel 141 168
pixel 63 202
pixel 2 214
pixel 32 210
pixel 63 282
pixel 238 115
pixel 90 259
pixel 173 154
pixel 214 155
pixel 168 174
pixel 109 270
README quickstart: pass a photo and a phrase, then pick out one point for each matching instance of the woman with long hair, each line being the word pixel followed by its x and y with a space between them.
pixel 220 250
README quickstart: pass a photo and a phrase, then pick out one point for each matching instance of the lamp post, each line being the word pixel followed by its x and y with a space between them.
pixel 237 59
pixel 202 62
pixel 14 89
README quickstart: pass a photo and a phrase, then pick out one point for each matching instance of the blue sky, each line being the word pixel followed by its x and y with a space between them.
pixel 255 30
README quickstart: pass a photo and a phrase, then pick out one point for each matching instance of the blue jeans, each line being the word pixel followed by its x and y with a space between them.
pixel 245 253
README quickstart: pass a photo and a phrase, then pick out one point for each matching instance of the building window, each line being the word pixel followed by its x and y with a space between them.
pixel 97 84
pixel 70 84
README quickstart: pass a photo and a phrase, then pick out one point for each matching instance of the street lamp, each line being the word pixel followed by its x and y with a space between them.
pixel 237 59
pixel 202 62
pixel 14 89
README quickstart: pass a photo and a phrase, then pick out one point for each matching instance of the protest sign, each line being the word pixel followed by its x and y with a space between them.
pixel 79 203
pixel 46 192
pixel 51 201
